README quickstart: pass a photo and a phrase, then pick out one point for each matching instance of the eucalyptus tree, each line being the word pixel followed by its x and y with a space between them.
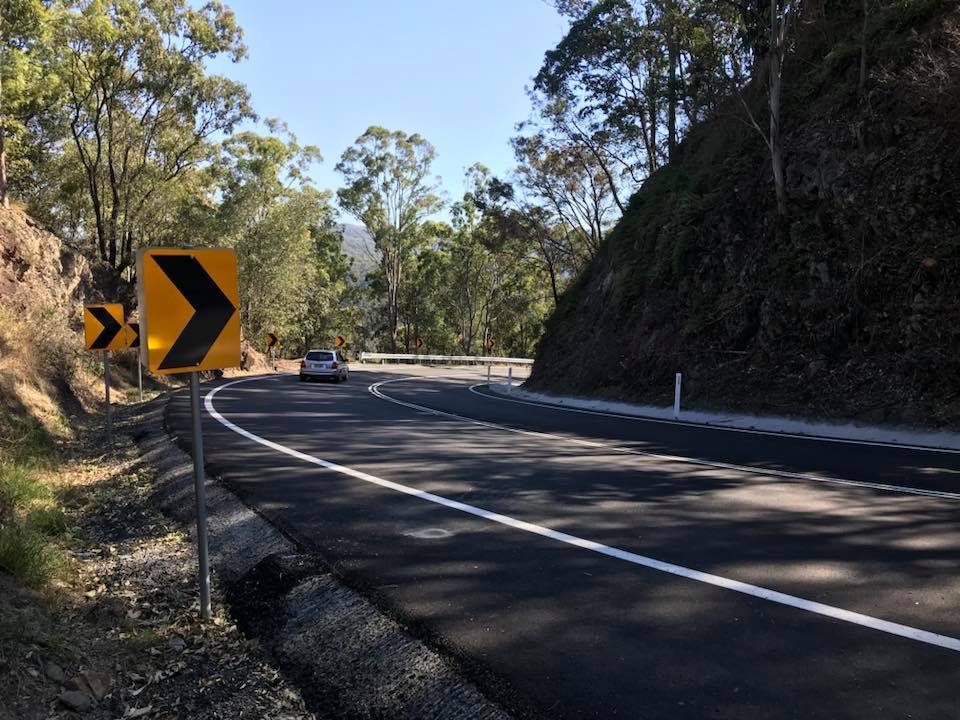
pixel 496 287
pixel 570 185
pixel 26 84
pixel 294 279
pixel 140 107
pixel 634 74
pixel 389 189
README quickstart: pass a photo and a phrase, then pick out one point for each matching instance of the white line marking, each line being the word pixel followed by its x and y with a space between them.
pixel 711 426
pixel 892 628
pixel 753 470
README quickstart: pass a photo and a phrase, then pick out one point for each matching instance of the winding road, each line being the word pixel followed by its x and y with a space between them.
pixel 606 567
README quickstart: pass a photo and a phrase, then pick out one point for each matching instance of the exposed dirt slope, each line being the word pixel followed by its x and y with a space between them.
pixel 849 308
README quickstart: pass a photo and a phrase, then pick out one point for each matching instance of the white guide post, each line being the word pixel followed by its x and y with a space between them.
pixel 676 397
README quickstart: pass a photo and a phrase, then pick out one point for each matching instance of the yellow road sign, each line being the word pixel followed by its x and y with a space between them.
pixel 133 335
pixel 103 327
pixel 188 309
pixel 341 341
pixel 419 343
pixel 272 340
pixel 491 344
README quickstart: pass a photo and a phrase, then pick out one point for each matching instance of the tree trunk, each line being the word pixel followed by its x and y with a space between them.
pixel 4 195
pixel 777 44
pixel 862 85
pixel 673 51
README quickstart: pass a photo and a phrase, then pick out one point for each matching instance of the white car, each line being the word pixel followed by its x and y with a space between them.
pixel 324 364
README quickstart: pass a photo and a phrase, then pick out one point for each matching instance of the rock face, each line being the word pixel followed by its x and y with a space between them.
pixel 850 306
pixel 36 266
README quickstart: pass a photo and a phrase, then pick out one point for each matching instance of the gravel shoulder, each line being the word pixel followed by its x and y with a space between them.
pixel 119 635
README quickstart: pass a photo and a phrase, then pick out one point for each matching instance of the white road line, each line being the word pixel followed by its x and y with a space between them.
pixel 753 470
pixel 711 426
pixel 892 628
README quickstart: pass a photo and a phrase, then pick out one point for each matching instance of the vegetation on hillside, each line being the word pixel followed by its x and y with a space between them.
pixel 836 299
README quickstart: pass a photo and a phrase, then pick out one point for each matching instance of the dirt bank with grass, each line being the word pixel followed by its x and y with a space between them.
pixel 98 612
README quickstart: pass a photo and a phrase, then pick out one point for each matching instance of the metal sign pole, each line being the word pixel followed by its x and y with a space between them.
pixel 201 497
pixel 106 393
pixel 140 378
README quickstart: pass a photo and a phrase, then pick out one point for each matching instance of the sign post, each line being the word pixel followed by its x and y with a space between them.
pixel 272 340
pixel 105 354
pixel 200 498
pixel 104 330
pixel 133 342
pixel 188 310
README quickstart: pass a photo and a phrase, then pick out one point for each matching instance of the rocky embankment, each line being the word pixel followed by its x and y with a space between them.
pixel 846 308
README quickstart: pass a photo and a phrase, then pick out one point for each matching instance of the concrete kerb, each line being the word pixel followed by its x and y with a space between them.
pixel 774 425
pixel 350 659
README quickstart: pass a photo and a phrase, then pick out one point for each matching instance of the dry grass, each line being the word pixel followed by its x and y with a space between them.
pixel 42 377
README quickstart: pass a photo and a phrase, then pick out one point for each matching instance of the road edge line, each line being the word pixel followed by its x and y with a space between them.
pixel 495 395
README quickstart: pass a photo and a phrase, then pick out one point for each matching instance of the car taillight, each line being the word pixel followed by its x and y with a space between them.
pixel 333 366
pixel 303 363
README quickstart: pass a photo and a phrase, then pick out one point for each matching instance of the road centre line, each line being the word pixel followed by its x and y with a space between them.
pixel 713 426
pixel 753 470
pixel 836 613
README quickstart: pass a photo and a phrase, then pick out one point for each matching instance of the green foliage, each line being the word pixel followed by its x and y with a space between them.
pixel 27 554
pixel 294 279
pixel 640 71
pixel 25 84
pixel 29 512
pixel 389 190
pixel 135 106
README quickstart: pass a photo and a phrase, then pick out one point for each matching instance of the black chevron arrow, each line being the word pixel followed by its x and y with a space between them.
pixel 271 339
pixel 213 310
pixel 110 328
pixel 135 327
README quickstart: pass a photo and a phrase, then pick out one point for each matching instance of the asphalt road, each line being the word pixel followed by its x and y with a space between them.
pixel 607 567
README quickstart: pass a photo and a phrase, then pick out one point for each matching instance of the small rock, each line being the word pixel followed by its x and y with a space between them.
pixel 75 700
pixel 55 673
pixel 176 643
pixel 78 683
pixel 99 683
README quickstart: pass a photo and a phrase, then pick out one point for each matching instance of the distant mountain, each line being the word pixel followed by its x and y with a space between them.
pixel 358 245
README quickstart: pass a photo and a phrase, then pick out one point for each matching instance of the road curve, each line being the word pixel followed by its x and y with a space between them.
pixel 579 632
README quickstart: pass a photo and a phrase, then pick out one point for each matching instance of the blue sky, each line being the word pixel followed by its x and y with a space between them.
pixel 452 70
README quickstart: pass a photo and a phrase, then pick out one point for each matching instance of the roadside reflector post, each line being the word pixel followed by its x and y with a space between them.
pixel 106 394
pixel 488 374
pixel 200 495
pixel 509 379
pixel 676 397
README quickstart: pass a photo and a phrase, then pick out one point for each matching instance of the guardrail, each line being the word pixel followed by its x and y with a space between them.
pixel 477 359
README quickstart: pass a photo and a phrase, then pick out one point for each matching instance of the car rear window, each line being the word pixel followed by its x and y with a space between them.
pixel 318 356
